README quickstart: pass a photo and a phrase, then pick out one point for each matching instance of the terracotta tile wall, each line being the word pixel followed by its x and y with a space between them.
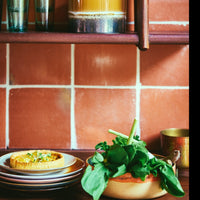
pixel 63 96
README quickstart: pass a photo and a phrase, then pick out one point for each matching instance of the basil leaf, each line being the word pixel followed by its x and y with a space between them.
pixel 102 146
pixel 131 151
pixel 121 141
pixel 97 158
pixel 140 172
pixel 120 171
pixel 169 181
pixel 141 157
pixel 95 181
pixel 117 156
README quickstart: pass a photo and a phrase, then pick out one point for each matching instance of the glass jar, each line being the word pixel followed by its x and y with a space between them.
pixel 18 11
pixel 97 16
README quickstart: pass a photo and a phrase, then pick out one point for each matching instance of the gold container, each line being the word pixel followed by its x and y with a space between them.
pixel 97 5
pixel 176 139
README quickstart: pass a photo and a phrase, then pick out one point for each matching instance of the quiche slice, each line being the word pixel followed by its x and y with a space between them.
pixel 36 160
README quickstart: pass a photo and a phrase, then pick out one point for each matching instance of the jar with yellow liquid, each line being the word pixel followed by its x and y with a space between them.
pixel 97 16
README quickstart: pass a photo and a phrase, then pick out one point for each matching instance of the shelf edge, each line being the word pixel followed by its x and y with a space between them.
pixel 90 38
pixel 72 38
pixel 169 38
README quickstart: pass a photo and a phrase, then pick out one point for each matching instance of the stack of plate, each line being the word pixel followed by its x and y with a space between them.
pixel 41 180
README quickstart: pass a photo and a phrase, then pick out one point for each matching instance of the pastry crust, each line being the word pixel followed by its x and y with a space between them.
pixel 36 160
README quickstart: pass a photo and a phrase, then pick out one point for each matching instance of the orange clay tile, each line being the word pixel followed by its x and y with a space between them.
pixel 162 109
pixel 40 64
pixel 2 63
pixel 105 64
pixel 2 118
pixel 168 68
pixel 98 110
pixel 39 118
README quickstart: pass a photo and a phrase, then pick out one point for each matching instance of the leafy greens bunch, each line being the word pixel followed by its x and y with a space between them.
pixel 126 155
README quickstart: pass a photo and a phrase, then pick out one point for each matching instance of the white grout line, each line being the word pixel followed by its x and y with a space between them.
pixel 7 92
pixel 73 126
pixel 104 87
pixel 166 87
pixel 38 86
pixel 184 23
pixel 138 91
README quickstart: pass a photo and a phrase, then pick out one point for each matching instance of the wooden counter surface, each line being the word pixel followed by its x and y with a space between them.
pixel 74 192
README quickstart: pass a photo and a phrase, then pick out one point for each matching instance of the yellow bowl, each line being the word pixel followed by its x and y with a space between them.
pixel 127 187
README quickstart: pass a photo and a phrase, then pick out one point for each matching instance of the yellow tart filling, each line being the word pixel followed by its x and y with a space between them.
pixel 36 159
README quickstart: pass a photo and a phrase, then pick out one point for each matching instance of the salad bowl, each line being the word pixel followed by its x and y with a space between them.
pixel 128 187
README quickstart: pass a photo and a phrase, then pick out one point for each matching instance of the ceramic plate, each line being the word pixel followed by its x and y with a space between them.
pixel 38 187
pixel 39 181
pixel 5 164
pixel 69 171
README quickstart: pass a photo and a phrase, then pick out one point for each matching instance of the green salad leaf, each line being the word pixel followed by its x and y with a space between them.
pixel 95 181
pixel 169 181
pixel 122 157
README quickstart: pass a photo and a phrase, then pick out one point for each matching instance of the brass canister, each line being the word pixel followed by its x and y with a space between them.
pixel 176 139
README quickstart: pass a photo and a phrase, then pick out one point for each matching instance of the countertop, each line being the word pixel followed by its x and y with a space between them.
pixel 74 192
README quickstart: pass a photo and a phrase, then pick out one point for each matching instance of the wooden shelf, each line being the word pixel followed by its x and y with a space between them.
pixel 83 38
pixel 74 38
pixel 169 37
pixel 141 37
